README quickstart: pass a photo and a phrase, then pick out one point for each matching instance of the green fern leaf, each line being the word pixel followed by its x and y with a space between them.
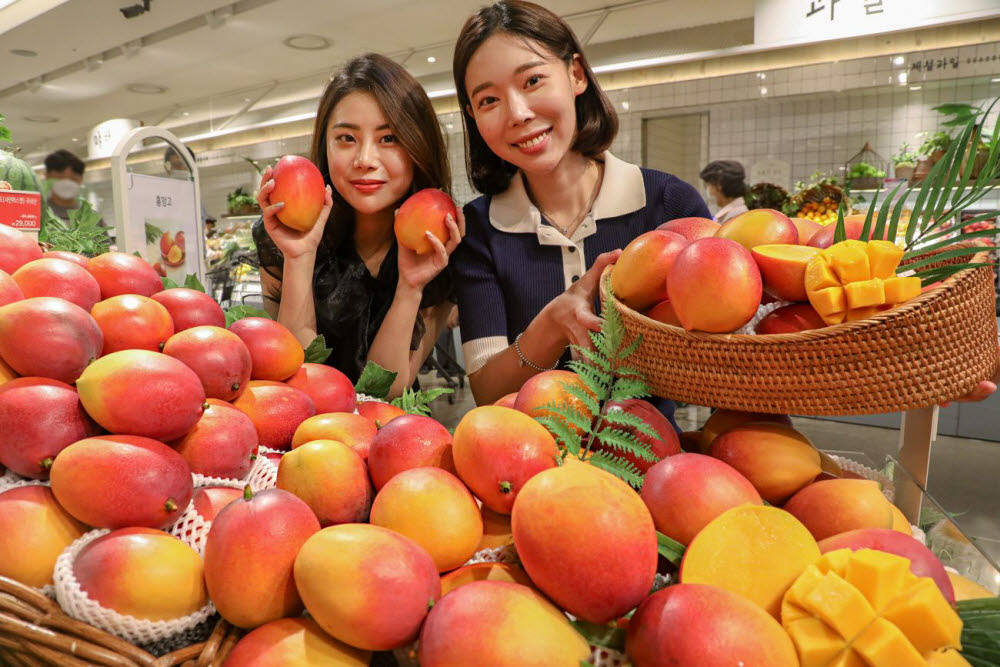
pixel 600 343
pixel 625 388
pixel 593 358
pixel 584 396
pixel 569 414
pixel 597 382
pixel 626 443
pixel 630 349
pixel 628 371
pixel 621 468
pixel 622 418
pixel 565 436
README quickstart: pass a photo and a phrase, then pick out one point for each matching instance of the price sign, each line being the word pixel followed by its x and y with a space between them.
pixel 21 210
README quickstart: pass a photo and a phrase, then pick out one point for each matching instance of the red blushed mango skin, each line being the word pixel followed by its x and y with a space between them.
pixel 143 573
pixel 40 418
pixel 7 373
pixel 72 338
pixel 16 249
pixel 664 312
pixel 58 278
pixel 425 211
pixel 330 478
pixel 208 501
pixel 217 356
pixel 759 227
pixel 721 421
pixel 566 519
pixel 639 278
pixel 792 318
pixel 685 492
pixel 777 459
pixel 506 401
pixel 692 228
pixel 300 185
pixel 121 273
pixel 132 322
pixel 330 390
pixel 294 642
pixel 697 624
pixel 807 229
pixel 824 237
pixel 355 431
pixel 220 444
pixel 497 450
pixel 276 411
pixel 116 481
pixel 715 286
pixel 142 393
pixel 548 387
pixel 366 586
pixel 667 444
pixel 378 412
pixel 923 562
pixel 410 441
pixel 249 555
pixel 190 308
pixel 9 291
pixel 505 624
pixel 835 506
pixel 275 351
pixel 484 572
pixel 77 259
pixel 35 529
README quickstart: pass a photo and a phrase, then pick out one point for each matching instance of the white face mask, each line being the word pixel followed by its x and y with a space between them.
pixel 65 188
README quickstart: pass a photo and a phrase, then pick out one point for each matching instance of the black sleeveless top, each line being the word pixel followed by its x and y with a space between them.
pixel 350 302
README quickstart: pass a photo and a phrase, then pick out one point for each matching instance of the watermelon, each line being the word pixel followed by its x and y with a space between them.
pixel 17 172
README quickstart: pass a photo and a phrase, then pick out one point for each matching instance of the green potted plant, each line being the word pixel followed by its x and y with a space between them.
pixel 864 176
pixel 905 161
pixel 241 203
pixel 933 148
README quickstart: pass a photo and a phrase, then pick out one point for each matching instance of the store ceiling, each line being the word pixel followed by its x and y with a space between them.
pixel 89 55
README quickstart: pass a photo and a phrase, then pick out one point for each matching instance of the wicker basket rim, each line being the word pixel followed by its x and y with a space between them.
pixel 946 286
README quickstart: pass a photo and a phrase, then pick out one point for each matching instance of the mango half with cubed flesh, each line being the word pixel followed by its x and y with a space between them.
pixel 867 608
pixel 853 280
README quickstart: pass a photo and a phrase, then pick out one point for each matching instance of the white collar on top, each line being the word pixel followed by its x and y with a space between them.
pixel 622 192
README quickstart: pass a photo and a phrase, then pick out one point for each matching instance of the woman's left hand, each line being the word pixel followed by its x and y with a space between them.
pixel 415 271
pixel 982 391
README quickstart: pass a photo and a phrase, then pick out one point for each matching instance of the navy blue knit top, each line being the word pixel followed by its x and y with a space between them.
pixel 512 262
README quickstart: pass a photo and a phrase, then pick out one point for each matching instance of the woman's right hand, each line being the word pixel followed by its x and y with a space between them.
pixel 291 242
pixel 572 312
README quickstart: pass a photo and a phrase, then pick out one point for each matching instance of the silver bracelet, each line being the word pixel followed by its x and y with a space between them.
pixel 524 360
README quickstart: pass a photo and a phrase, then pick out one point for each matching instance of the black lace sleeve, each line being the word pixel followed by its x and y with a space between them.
pixel 270 258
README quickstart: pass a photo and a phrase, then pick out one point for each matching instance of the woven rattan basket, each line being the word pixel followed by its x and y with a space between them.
pixel 34 631
pixel 932 349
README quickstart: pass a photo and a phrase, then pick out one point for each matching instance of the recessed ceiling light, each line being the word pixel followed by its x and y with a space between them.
pixel 625 106
pixel 186 113
pixel 38 118
pixel 145 88
pixel 898 60
pixel 763 90
pixel 915 87
pixel 995 79
pixel 902 77
pixel 74 139
pixel 431 59
pixel 307 42
pixel 27 53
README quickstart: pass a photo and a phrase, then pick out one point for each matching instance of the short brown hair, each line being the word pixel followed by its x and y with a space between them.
pixel 411 117
pixel 596 120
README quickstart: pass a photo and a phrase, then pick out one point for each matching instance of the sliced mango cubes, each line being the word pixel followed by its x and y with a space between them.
pixel 867 608
pixel 853 280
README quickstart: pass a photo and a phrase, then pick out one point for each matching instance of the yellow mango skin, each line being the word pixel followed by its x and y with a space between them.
pixel 867 608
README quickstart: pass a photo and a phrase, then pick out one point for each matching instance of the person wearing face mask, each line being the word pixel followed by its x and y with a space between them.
pixel 65 170
pixel 726 185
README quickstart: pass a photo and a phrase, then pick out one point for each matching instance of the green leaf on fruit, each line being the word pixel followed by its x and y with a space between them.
pixel 317 352
pixel 418 402
pixel 375 381
pixel 191 282
pixel 670 548
pixel 168 283
pixel 600 634
pixel 237 313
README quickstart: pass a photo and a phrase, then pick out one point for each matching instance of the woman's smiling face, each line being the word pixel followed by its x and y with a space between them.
pixel 369 168
pixel 523 101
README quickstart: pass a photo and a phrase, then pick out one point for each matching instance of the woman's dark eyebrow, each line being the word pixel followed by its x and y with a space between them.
pixel 520 68
pixel 352 126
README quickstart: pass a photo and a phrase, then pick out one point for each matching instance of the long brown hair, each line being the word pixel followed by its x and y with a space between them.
pixel 596 119
pixel 411 116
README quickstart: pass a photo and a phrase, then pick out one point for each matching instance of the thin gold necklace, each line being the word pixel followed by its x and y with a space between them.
pixel 583 214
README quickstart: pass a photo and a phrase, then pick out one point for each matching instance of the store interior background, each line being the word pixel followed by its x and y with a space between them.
pixel 239 80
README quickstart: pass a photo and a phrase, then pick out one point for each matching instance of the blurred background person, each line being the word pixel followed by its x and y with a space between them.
pixel 726 181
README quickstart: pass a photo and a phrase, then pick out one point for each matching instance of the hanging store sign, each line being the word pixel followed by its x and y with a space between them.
pixel 104 137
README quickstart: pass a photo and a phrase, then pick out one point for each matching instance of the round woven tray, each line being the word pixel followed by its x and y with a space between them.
pixel 34 631
pixel 932 349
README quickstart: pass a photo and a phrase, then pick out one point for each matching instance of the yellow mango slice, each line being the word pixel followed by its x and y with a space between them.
pixel 839 605
pixel 829 301
pixel 878 579
pixel 849 262
pixel 883 257
pixel 817 644
pixel 861 314
pixel 925 617
pixel 900 290
pixel 864 293
pixel 946 658
pixel 819 275
pixel 846 659
pixel 882 643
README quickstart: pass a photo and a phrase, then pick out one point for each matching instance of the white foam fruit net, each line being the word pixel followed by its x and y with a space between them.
pixel 9 480
pixel 76 603
pixel 504 554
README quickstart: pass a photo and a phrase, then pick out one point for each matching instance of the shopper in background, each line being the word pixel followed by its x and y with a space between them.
pixel 376 141
pixel 557 206
pixel 726 181
pixel 65 171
